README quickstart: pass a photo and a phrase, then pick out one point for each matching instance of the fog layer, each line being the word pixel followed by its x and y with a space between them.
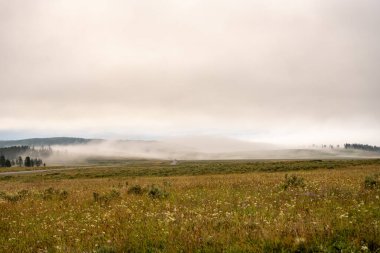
pixel 194 148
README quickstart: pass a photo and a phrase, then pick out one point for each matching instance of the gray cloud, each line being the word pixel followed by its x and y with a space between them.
pixel 299 72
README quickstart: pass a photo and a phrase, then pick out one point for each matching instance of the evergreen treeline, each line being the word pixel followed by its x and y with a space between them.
pixel 13 156
pixel 27 162
pixel 38 142
pixel 362 147
pixel 15 151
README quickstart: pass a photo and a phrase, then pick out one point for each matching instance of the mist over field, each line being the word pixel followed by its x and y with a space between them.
pixel 196 148
pixel 174 148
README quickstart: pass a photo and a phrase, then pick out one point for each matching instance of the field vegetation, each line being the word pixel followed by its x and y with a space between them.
pixel 204 206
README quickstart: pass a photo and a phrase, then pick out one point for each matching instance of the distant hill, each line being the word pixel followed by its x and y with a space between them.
pixel 46 141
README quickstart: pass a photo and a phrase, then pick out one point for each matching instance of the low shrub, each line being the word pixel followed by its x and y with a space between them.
pixel 292 181
pixel 157 193
pixel 14 197
pixel 63 194
pixel 23 193
pixel 107 197
pixel 373 181
pixel 51 193
pixel 135 189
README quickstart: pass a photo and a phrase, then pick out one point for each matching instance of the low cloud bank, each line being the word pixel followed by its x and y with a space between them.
pixel 193 148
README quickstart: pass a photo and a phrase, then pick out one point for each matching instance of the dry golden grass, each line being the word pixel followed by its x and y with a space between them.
pixel 252 212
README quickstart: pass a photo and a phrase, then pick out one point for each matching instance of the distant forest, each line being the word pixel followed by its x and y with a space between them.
pixel 362 147
pixel 23 156
pixel 40 142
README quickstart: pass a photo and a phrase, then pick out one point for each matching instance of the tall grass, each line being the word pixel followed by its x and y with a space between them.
pixel 331 211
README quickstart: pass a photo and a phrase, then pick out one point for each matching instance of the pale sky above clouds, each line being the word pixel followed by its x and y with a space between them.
pixel 296 72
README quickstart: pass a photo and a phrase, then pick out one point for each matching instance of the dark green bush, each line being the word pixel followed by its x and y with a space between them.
pixel 157 193
pixel 372 182
pixel 292 181
pixel 136 189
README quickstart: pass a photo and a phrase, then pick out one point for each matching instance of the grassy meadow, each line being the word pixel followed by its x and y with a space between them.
pixel 203 206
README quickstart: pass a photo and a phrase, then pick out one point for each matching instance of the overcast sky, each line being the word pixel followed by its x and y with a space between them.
pixel 297 72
